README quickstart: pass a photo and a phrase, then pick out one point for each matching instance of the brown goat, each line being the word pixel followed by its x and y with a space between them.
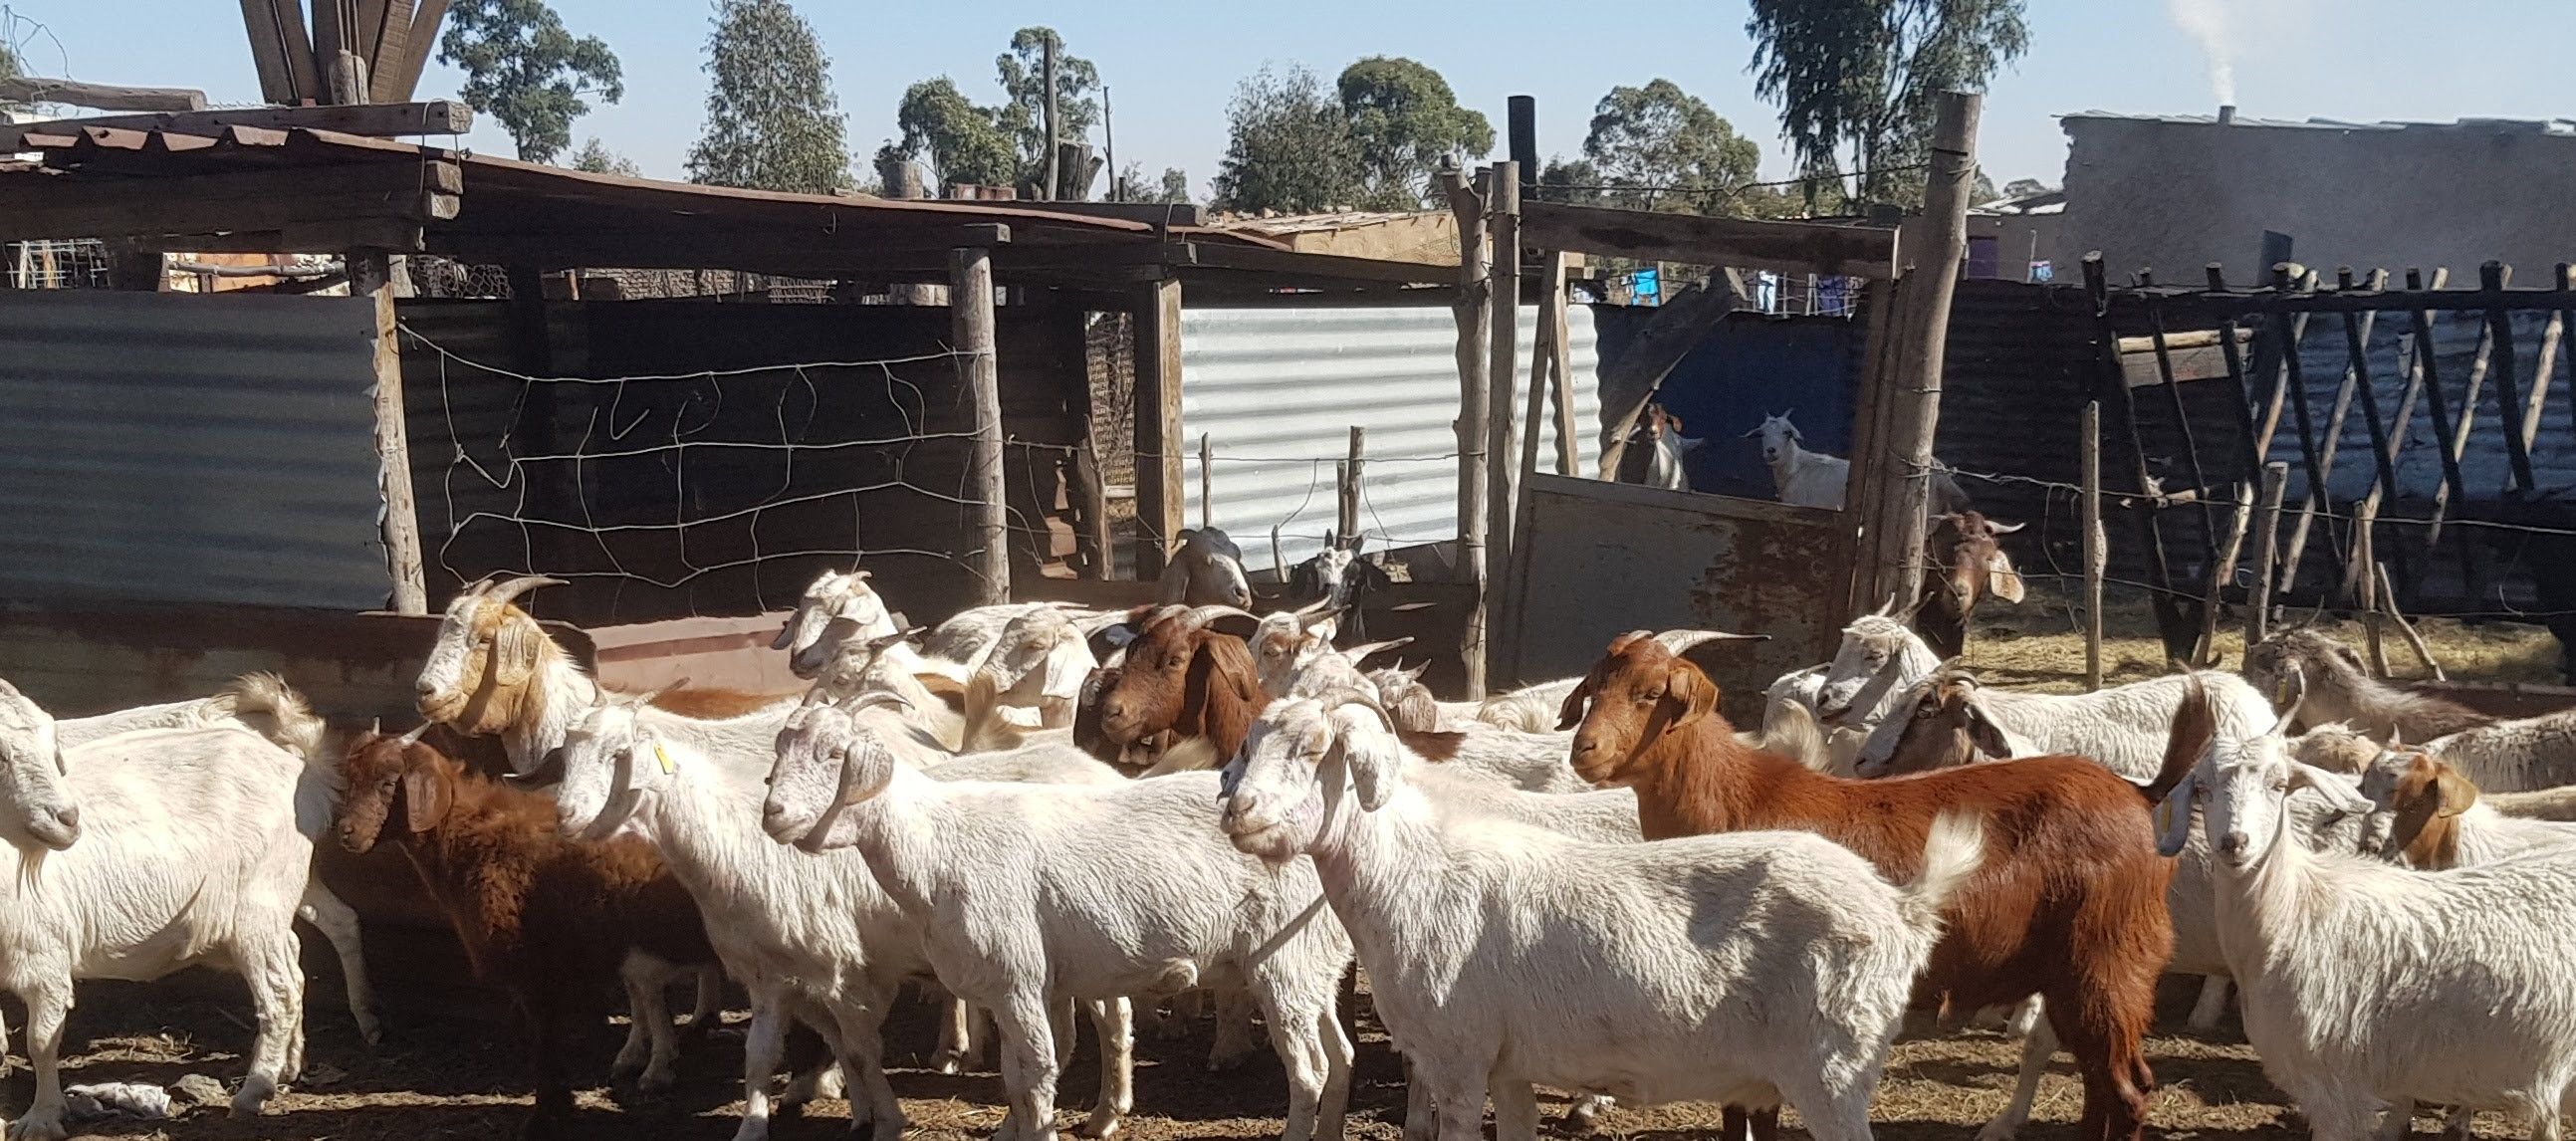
pixel 2070 904
pixel 1189 674
pixel 2427 800
pixel 548 919
pixel 1966 549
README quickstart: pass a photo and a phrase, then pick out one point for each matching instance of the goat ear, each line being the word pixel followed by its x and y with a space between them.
pixel 2194 725
pixel 1570 714
pixel 514 650
pixel 1370 748
pixel 2001 578
pixel 1988 737
pixel 2176 831
pixel 2457 793
pixel 2333 788
pixel 428 792
pixel 1698 696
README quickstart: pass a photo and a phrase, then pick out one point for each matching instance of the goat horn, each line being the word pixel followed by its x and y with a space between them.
pixel 1348 695
pixel 1356 653
pixel 376 727
pixel 1885 608
pixel 2006 528
pixel 645 698
pixel 413 737
pixel 1684 641
pixel 1198 616
pixel 512 588
pixel 888 641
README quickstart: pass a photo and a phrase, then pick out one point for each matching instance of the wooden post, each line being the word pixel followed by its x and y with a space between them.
pixel 370 274
pixel 1346 500
pixel 2406 629
pixel 2221 572
pixel 1914 415
pixel 1090 493
pixel 1542 358
pixel 2545 366
pixel 2492 278
pixel 970 317
pixel 2094 556
pixel 1553 317
pixel 1502 480
pixel 2366 587
pixel 1207 481
pixel 1047 189
pixel 1158 426
pixel 1475 404
pixel 2267 551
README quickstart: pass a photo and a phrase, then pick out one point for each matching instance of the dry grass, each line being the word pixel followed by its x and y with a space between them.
pixel 2039 644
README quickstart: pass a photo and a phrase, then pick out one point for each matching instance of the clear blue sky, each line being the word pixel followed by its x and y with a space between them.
pixel 1171 66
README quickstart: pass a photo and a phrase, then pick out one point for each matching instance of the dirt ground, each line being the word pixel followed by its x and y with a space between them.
pixel 455 1076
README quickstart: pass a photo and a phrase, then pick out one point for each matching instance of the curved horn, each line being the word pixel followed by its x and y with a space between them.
pixel 413 738
pixel 1359 652
pixel 375 727
pixel 884 642
pixel 511 589
pixel 2006 528
pixel 645 698
pixel 1351 695
pixel 1684 641
pixel 1885 608
pixel 1239 622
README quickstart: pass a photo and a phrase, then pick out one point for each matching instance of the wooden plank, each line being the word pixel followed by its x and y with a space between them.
pixel 366 34
pixel 1156 213
pixel 103 96
pixel 331 36
pixel 1320 267
pixel 970 308
pixel 268 50
pixel 1475 411
pixel 2354 388
pixel 299 50
pixel 418 44
pixel 370 275
pixel 2267 550
pixel 1553 308
pixel 2182 423
pixel 372 120
pixel 217 203
pixel 2089 444
pixel 1789 247
pixel 1158 425
pixel 2544 368
pixel 392 50
pixel 2491 282
pixel 1503 373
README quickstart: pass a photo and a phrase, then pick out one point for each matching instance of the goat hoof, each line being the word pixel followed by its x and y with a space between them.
pixel 1099 1126
pixel 38 1126
pixel 657 1081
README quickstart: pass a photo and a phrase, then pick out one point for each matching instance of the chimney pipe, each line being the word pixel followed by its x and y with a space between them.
pixel 2226 114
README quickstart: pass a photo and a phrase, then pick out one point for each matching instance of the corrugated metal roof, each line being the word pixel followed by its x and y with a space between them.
pixel 178 448
pixel 2481 125
pixel 1277 391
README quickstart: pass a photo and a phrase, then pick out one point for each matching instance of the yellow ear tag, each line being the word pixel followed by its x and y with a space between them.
pixel 668 769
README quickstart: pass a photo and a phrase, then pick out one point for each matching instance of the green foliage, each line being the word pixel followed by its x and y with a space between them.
pixel 965 143
pixel 1658 147
pixel 772 120
pixel 1288 147
pixel 1860 79
pixel 1022 115
pixel 595 157
pixel 1405 120
pixel 1174 186
pixel 1983 189
pixel 9 70
pixel 2025 187
pixel 522 68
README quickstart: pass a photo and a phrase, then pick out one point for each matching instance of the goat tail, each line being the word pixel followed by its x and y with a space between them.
pixel 1789 729
pixel 1952 852
pixel 268 706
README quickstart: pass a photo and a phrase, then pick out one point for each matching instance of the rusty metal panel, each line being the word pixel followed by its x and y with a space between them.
pixel 180 448
pixel 1601 559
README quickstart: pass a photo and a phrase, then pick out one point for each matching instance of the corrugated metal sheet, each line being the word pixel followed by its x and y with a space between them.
pixel 1277 391
pixel 169 448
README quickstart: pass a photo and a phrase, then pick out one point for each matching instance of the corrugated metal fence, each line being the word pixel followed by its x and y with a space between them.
pixel 178 448
pixel 1277 391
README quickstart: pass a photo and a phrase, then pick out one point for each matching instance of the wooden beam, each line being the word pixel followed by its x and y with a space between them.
pixel 970 308
pixel 268 50
pixel 330 38
pixel 374 120
pixel 1158 425
pixel 390 50
pixel 103 96
pixel 418 44
pixel 70 206
pixel 1161 213
pixel 370 276
pixel 1320 267
pixel 1789 247
pixel 299 49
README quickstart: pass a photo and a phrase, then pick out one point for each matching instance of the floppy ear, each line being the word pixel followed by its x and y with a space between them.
pixel 514 650
pixel 2001 578
pixel 1570 714
pixel 2194 725
pixel 787 631
pixel 2177 829
pixel 428 791
pixel 2457 793
pixel 1988 737
pixel 1691 689
pixel 1371 749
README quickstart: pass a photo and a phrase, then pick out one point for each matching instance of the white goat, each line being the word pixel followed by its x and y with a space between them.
pixel 1206 570
pixel 803 933
pixel 2124 728
pixel 2522 755
pixel 1502 956
pixel 1093 892
pixel 263 703
pixel 1815 479
pixel 1878 660
pixel 169 848
pixel 838 608
pixel 2369 986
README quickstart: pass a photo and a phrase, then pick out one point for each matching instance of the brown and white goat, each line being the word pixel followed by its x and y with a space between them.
pixel 1206 570
pixel 2325 681
pixel 1187 677
pixel 2069 904
pixel 547 919
pixel 1966 555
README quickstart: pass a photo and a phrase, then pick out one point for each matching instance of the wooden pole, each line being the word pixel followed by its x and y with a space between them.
pixel 970 316
pixel 1905 485
pixel 1109 146
pixel 2223 571
pixel 2366 587
pixel 1553 317
pixel 1346 513
pixel 1047 191
pixel 1502 480
pixel 1158 426
pixel 1542 359
pixel 2406 629
pixel 1474 410
pixel 1207 489
pixel 1090 493
pixel 370 274
pixel 2094 562
pixel 2267 551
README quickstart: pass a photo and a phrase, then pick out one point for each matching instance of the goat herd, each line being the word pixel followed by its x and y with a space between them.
pixel 1596 885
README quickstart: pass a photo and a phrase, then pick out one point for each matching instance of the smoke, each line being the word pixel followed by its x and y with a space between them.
pixel 2209 24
